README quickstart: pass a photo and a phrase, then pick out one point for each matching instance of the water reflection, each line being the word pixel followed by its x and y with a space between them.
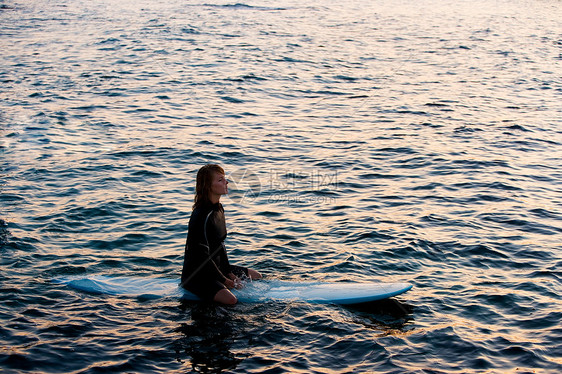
pixel 216 339
pixel 207 339
pixel 389 316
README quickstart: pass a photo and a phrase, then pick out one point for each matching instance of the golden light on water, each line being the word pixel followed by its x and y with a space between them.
pixel 371 141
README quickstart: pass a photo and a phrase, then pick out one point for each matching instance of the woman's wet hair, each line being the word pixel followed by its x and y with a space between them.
pixel 204 183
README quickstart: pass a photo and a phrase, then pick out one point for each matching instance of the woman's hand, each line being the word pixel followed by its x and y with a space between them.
pixel 229 283
pixel 233 282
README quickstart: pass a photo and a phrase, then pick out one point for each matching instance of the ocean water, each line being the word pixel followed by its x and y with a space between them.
pixel 364 141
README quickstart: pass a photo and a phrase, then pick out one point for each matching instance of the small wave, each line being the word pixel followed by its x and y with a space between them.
pixel 516 222
pixel 3 233
pixel 232 100
pixel 243 6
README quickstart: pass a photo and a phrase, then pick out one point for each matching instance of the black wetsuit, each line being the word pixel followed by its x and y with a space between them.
pixel 205 263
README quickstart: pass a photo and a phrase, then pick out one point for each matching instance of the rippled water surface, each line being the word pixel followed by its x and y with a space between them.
pixel 364 141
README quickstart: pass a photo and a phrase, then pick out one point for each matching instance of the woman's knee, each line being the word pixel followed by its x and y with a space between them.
pixel 224 296
pixel 254 274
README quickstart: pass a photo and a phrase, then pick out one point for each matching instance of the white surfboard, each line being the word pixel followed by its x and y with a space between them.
pixel 256 291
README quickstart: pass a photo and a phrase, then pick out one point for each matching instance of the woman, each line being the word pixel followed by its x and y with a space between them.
pixel 206 270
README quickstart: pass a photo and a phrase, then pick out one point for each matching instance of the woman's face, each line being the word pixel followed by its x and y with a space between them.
pixel 220 185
